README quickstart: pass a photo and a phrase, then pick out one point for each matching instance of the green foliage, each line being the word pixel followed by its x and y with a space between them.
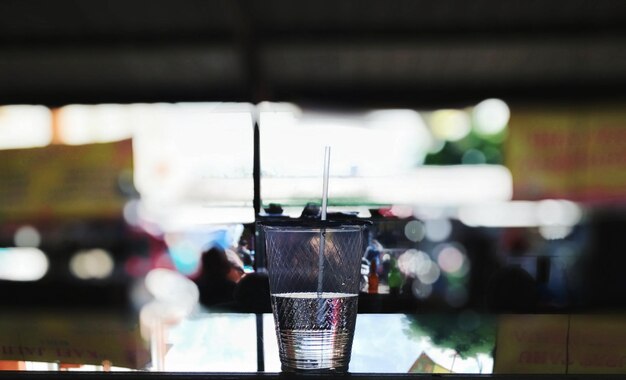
pixel 452 153
pixel 466 333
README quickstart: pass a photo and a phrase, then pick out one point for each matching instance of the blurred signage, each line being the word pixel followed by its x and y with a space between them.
pixel 76 339
pixel 561 344
pixel 577 154
pixel 424 364
pixel 65 180
pixel 531 344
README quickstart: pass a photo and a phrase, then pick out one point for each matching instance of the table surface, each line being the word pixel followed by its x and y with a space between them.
pixel 240 345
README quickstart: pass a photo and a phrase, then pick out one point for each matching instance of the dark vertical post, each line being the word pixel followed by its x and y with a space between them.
pixel 256 172
pixel 260 356
pixel 250 62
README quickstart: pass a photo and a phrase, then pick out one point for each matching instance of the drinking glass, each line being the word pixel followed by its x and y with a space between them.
pixel 314 270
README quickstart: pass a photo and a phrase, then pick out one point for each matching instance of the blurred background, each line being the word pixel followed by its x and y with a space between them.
pixel 485 139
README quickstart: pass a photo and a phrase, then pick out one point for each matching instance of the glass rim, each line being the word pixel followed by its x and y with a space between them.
pixel 314 223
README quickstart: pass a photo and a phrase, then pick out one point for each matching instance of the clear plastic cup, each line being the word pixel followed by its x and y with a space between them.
pixel 314 270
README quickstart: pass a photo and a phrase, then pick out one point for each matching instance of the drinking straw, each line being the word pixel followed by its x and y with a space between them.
pixel 325 189
pixel 323 217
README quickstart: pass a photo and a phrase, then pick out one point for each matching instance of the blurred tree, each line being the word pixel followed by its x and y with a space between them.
pixel 467 333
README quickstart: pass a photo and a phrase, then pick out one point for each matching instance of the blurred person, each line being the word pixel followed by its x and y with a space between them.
pixel 252 293
pixel 244 253
pixel 220 272
pixel 511 289
pixel 600 274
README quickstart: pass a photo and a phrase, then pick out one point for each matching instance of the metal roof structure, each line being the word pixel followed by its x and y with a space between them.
pixel 349 52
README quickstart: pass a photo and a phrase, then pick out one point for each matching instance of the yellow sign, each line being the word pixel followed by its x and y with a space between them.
pixel 531 344
pixel 64 180
pixel 598 344
pixel 560 344
pixel 572 153
pixel 75 339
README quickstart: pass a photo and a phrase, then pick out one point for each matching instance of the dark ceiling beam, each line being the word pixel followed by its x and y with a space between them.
pixel 359 51
pixel 119 74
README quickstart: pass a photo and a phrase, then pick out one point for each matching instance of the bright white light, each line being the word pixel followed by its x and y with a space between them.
pixel 499 214
pixel 178 217
pixel 440 185
pixel 22 264
pixel 558 212
pixel 193 163
pixel 451 125
pixel 171 287
pixel 405 132
pixel 92 264
pixel 175 297
pixel 521 214
pixel 292 146
pixel 27 236
pixel 555 232
pixel 25 126
pixel 438 229
pixel 83 124
pixel 292 143
pixel 491 116
pixel 214 342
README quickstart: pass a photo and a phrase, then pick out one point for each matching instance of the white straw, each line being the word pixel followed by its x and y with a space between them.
pixel 320 276
pixel 326 174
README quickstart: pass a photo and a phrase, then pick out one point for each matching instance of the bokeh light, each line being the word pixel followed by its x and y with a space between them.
pixel 92 264
pixel 429 273
pixel 402 211
pixel 473 157
pixel 171 287
pixel 450 259
pixel 27 236
pixel 82 124
pixel 412 261
pixel 23 264
pixel 131 213
pixel 491 116
pixel 414 230
pixel 456 295
pixel 555 232
pixel 25 126
pixel 558 212
pixel 421 290
pixel 438 229
pixel 450 125
pixel 548 212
